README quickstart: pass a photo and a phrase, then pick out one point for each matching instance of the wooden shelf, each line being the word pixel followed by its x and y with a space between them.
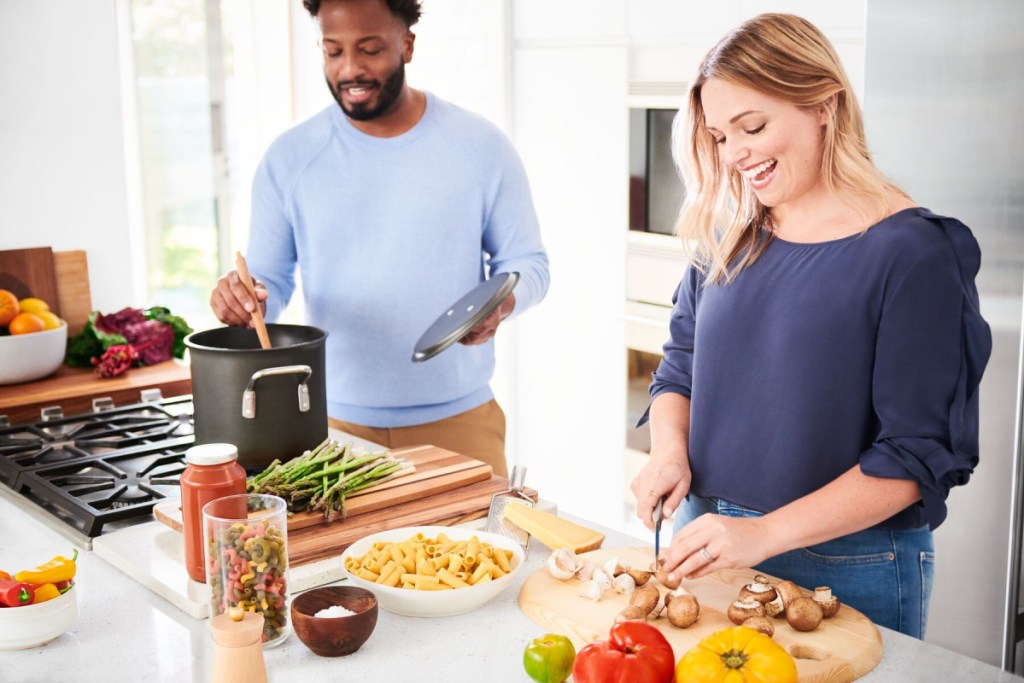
pixel 73 389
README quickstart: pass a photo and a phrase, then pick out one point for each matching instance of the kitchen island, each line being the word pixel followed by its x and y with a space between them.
pixel 125 632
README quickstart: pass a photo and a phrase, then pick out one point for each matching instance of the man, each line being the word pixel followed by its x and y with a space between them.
pixel 393 204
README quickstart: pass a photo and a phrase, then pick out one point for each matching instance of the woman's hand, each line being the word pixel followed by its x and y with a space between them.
pixel 663 475
pixel 713 542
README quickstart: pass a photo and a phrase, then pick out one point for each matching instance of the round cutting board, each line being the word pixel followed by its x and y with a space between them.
pixel 843 648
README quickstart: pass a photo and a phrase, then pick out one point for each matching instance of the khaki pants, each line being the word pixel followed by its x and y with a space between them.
pixel 478 433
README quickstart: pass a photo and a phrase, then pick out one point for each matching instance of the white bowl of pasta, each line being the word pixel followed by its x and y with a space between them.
pixel 454 569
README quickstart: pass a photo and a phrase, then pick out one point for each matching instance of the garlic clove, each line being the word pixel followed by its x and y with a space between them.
pixel 563 564
pixel 586 570
pixel 623 584
pixel 613 567
pixel 590 590
pixel 602 578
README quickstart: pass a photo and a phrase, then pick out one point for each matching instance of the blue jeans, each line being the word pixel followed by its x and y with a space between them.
pixel 886 575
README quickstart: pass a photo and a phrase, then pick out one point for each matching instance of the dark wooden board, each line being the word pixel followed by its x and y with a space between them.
pixel 30 272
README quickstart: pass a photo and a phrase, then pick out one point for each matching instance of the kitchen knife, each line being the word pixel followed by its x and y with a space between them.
pixel 657 529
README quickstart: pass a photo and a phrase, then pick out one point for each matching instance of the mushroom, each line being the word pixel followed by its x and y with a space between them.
pixel 762 624
pixel 741 610
pixel 787 592
pixel 683 608
pixel 590 590
pixel 624 584
pixel 640 576
pixel 631 613
pixel 646 597
pixel 804 614
pixel 662 576
pixel 828 602
pixel 563 564
pixel 759 590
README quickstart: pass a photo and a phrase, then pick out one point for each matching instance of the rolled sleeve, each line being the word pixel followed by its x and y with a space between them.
pixel 932 348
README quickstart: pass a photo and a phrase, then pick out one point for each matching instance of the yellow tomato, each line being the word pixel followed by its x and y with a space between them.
pixel 49 319
pixel 738 654
pixel 33 305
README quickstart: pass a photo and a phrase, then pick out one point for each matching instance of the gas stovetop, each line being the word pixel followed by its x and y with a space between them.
pixel 98 470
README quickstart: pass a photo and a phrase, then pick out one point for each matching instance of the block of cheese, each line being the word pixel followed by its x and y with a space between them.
pixel 553 531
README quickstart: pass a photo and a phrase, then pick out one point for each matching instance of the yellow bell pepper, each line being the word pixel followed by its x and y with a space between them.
pixel 56 570
pixel 737 655
pixel 45 592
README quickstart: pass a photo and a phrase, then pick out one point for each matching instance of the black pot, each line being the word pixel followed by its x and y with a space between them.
pixel 270 403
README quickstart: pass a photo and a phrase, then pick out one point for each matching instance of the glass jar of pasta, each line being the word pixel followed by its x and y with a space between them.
pixel 246 539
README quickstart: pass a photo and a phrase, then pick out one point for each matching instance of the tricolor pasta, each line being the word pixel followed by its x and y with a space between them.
pixel 440 563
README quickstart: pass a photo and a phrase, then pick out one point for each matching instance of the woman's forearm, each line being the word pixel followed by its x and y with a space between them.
pixel 852 502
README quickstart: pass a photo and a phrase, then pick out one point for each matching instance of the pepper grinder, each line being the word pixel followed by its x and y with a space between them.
pixel 238 652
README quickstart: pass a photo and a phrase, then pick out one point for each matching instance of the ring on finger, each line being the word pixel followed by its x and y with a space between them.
pixel 705 554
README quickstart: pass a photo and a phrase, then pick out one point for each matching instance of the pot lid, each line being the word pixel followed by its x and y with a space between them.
pixel 465 314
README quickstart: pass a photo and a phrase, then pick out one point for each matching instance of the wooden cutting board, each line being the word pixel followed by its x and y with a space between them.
pixel 30 272
pixel 843 648
pixel 74 298
pixel 74 389
pixel 447 488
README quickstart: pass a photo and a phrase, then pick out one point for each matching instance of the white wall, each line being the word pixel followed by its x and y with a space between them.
pixel 62 170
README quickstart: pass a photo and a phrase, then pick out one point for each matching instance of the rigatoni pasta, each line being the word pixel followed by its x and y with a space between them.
pixel 440 563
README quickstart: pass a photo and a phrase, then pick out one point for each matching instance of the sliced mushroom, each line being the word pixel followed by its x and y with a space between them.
pixel 741 610
pixel 804 614
pixel 662 576
pixel 828 602
pixel 640 577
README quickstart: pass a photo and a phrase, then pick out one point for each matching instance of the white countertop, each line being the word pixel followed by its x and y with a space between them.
pixel 126 632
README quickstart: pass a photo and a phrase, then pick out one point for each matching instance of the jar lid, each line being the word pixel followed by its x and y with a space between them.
pixel 211 454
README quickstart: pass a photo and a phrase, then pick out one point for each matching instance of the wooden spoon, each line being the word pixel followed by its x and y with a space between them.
pixel 257 314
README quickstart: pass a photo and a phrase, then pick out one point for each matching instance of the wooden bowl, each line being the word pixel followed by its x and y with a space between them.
pixel 334 636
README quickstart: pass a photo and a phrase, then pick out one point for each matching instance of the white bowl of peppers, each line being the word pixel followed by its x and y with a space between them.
pixel 37 605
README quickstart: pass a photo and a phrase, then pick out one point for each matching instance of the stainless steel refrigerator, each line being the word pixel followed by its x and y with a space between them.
pixel 944 114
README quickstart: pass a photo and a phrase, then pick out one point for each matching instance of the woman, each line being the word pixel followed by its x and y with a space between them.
pixel 818 396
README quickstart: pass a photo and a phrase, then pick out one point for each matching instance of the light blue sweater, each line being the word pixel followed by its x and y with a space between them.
pixel 387 233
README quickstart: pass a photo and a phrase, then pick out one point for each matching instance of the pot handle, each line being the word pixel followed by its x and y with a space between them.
pixel 249 395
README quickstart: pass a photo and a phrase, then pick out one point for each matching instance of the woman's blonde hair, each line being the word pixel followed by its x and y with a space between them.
pixel 722 223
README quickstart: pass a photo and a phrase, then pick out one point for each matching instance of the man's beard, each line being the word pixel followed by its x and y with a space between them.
pixel 388 92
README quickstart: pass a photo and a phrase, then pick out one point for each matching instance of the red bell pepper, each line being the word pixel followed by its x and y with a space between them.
pixel 635 653
pixel 16 593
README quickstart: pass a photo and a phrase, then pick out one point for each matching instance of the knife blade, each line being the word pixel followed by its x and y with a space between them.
pixel 657 529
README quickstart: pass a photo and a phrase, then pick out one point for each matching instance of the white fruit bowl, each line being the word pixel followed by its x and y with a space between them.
pixel 446 603
pixel 33 625
pixel 25 357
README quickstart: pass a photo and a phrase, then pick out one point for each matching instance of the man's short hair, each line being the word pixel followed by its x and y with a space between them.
pixel 408 11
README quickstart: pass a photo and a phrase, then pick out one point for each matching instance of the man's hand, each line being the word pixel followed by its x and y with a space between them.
pixel 231 302
pixel 486 328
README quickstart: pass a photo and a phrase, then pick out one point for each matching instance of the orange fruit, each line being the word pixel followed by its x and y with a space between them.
pixel 8 307
pixel 33 305
pixel 25 323
pixel 49 319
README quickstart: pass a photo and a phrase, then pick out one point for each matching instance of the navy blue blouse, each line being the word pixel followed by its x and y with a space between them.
pixel 866 349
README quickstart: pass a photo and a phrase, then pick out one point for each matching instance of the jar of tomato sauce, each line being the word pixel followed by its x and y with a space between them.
pixel 212 471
